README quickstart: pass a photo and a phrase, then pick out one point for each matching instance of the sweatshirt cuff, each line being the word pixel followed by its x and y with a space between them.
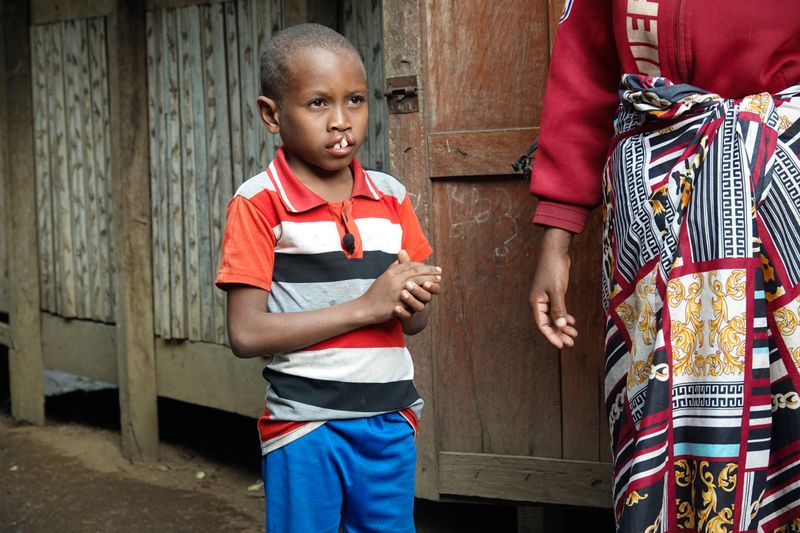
pixel 565 216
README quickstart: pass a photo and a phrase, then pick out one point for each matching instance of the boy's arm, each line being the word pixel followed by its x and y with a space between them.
pixel 253 331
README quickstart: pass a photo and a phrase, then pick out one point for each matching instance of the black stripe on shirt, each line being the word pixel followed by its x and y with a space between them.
pixel 329 266
pixel 343 396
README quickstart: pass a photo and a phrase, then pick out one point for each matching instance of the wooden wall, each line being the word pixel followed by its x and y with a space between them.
pixel 73 178
pixel 205 139
pixel 5 223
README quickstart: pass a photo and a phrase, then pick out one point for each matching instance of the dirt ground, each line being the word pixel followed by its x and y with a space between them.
pixel 69 475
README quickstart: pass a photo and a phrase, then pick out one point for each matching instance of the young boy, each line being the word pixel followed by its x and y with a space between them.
pixel 321 262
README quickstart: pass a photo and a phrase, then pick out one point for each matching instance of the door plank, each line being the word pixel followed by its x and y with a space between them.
pixel 502 50
pixel 408 155
pixel 478 153
pixel 497 380
pixel 531 479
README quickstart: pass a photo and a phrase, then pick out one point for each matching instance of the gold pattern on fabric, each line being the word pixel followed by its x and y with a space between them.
pixel 709 517
pixel 638 314
pixel 708 337
pixel 787 318
pixel 759 104
pixel 634 498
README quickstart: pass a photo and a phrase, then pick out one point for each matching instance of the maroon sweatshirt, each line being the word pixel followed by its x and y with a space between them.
pixel 730 47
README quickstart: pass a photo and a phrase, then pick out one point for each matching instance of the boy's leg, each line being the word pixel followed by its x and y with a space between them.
pixel 303 484
pixel 381 498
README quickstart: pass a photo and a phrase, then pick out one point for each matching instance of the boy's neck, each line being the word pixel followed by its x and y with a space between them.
pixel 330 186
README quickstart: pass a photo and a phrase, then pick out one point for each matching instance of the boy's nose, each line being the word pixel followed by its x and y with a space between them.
pixel 339 119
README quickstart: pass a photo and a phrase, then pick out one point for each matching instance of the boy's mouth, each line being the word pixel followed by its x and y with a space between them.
pixel 342 145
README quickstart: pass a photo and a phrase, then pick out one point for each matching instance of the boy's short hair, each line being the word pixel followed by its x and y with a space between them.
pixel 276 56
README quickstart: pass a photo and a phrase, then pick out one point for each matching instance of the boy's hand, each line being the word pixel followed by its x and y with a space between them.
pixel 414 296
pixel 404 286
pixel 549 289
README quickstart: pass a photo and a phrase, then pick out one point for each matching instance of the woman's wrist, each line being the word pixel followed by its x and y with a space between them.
pixel 557 239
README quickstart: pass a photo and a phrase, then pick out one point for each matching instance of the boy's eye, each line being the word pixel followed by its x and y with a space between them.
pixel 318 102
pixel 357 99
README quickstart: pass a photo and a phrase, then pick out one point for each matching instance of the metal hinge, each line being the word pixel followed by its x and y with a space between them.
pixel 401 95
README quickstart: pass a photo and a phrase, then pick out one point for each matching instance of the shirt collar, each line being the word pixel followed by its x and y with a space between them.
pixel 297 198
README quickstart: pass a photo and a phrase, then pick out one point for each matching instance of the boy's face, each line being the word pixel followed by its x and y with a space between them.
pixel 322 117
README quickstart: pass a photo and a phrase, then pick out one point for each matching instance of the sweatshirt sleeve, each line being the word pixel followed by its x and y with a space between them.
pixel 576 126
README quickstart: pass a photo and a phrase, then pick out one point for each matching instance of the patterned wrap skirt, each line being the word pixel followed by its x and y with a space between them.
pixel 702 293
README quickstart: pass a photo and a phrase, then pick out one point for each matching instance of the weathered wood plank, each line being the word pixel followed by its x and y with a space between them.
pixel 261 16
pixel 239 387
pixel 152 5
pixel 93 289
pixel 376 81
pixel 234 93
pixel 5 218
pixel 504 38
pixel 515 409
pixel 158 159
pixel 201 193
pixel 127 62
pixel 62 209
pixel 273 22
pixel 49 11
pixel 76 168
pixel 81 347
pixel 244 17
pixel 173 135
pixel 322 12
pixel 158 171
pixel 295 13
pixel 220 180
pixel 25 359
pixel 478 153
pixel 44 201
pixel 191 132
pixel 408 156
pixel 249 90
pixel 523 478
pixel 104 306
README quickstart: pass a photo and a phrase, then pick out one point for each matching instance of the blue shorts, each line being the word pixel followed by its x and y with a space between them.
pixel 357 474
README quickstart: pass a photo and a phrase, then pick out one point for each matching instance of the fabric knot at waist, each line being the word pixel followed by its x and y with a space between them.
pixel 647 100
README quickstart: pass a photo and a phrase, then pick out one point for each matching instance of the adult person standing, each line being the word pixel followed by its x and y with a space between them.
pixel 694 158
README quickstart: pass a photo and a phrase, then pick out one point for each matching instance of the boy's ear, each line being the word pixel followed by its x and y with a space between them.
pixel 268 110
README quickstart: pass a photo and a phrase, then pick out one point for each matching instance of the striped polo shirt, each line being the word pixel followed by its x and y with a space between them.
pixel 282 237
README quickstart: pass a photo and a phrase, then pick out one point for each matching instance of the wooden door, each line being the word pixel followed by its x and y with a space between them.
pixel 501 403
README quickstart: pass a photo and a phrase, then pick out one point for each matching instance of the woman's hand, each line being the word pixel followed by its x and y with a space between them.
pixel 549 289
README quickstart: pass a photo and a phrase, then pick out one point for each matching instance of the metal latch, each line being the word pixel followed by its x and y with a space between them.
pixel 401 95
